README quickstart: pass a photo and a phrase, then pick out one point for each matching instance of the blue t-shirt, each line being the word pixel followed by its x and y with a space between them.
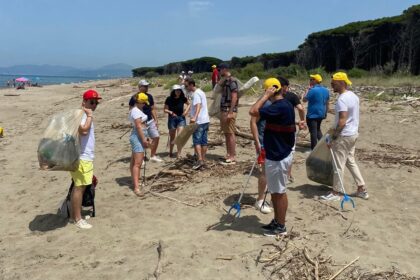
pixel 261 125
pixel 279 134
pixel 317 97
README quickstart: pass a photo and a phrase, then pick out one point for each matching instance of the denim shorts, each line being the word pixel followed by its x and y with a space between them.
pixel 175 122
pixel 136 146
pixel 200 134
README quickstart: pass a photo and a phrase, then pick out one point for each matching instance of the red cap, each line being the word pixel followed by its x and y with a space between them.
pixel 91 94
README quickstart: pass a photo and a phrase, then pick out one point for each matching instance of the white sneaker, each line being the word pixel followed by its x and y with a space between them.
pixel 156 159
pixel 83 224
pixel 331 197
pixel 263 208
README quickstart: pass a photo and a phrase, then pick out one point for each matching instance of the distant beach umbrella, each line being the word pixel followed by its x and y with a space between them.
pixel 22 80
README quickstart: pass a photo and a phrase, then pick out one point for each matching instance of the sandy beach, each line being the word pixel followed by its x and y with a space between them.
pixel 35 243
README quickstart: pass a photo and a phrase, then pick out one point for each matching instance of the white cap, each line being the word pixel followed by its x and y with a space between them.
pixel 190 72
pixel 144 83
pixel 175 87
pixel 182 72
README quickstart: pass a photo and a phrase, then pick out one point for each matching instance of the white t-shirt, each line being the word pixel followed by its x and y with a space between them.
pixel 135 114
pixel 348 102
pixel 87 142
pixel 199 97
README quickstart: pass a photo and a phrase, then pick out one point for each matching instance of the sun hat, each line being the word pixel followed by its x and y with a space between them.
pixel 213 66
pixel 144 83
pixel 141 97
pixel 341 76
pixel 91 94
pixel 316 77
pixel 175 87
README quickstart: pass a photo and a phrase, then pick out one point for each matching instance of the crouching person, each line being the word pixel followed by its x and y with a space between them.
pixel 83 175
pixel 279 139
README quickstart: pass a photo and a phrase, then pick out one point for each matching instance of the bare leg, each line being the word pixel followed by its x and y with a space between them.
pixel 280 204
pixel 172 133
pixel 198 151
pixel 227 146
pixel 135 170
pixel 154 147
pixel 203 152
pixel 76 202
pixel 231 145
pixel 262 184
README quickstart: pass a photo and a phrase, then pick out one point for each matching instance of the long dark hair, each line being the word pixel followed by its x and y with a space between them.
pixel 182 95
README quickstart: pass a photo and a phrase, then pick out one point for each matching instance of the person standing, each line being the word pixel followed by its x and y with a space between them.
pixel 214 76
pixel 152 120
pixel 199 115
pixel 279 139
pixel 344 137
pixel 174 107
pixel 138 140
pixel 83 174
pixel 229 109
pixel 318 102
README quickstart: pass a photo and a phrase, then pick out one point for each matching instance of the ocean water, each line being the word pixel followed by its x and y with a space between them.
pixel 46 80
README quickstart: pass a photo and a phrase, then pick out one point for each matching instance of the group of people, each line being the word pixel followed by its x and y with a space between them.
pixel 273 126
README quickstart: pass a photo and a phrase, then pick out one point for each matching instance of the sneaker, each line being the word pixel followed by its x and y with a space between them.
pixel 228 162
pixel 156 159
pixel 270 226
pixel 263 207
pixel 331 197
pixel 83 224
pixel 199 164
pixel 363 194
pixel 276 231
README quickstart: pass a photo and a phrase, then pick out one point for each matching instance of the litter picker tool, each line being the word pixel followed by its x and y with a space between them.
pixel 346 198
pixel 237 205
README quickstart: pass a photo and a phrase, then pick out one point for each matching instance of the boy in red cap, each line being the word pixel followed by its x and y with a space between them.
pixel 83 175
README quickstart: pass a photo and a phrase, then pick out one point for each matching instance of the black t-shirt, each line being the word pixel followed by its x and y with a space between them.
pixel 147 109
pixel 176 105
pixel 292 98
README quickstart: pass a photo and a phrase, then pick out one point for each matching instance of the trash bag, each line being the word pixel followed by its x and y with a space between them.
pixel 319 165
pixel 185 134
pixel 59 149
pixel 214 110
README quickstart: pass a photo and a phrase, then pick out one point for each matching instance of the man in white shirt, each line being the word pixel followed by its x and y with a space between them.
pixel 345 135
pixel 199 115
pixel 83 175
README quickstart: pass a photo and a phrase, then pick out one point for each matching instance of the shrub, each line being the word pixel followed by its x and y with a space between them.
pixel 357 73
pixel 170 83
pixel 151 74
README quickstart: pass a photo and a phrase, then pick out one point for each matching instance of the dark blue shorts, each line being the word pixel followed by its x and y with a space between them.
pixel 175 122
pixel 200 134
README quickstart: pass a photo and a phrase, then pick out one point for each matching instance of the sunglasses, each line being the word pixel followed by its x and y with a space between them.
pixel 94 102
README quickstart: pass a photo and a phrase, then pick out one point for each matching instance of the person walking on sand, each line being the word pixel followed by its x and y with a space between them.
pixel 229 109
pixel 318 103
pixel 344 137
pixel 152 120
pixel 138 140
pixel 295 101
pixel 214 76
pixel 199 115
pixel 174 107
pixel 83 175
pixel 278 140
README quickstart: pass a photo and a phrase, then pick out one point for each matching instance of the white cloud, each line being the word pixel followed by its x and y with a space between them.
pixel 237 41
pixel 195 8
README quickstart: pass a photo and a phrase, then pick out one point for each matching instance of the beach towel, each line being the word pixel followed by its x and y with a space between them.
pixel 59 148
pixel 319 166
pixel 185 134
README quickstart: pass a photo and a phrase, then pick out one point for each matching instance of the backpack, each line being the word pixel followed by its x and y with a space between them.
pixel 87 201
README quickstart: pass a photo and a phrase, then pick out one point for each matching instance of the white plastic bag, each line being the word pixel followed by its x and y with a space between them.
pixel 59 149
pixel 319 167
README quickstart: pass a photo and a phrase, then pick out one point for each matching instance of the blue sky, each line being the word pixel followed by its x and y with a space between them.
pixel 92 33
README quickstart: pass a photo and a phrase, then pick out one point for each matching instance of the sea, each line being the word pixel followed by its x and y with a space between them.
pixel 47 80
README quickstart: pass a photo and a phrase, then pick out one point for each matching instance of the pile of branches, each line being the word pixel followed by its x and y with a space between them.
pixel 390 156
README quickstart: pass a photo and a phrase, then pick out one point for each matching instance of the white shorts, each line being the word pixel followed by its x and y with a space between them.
pixel 276 174
pixel 152 130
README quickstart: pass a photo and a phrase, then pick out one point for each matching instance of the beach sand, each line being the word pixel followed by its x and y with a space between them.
pixel 35 243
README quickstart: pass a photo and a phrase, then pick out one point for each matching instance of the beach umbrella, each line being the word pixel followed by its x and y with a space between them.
pixel 22 80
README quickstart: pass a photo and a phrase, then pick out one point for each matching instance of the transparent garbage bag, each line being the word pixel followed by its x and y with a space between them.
pixel 59 148
pixel 319 166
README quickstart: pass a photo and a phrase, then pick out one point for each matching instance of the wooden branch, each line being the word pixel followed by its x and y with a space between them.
pixel 341 270
pixel 244 135
pixel 173 199
pixel 312 262
pixel 158 269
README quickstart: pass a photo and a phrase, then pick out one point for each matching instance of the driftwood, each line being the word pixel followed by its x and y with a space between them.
pixel 344 268
pixel 173 199
pixel 159 267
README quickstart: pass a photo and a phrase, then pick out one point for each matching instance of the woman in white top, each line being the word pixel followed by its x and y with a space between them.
pixel 138 140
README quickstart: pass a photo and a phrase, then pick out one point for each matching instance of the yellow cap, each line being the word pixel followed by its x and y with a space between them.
pixel 142 98
pixel 316 77
pixel 1 131
pixel 341 76
pixel 213 66
pixel 272 82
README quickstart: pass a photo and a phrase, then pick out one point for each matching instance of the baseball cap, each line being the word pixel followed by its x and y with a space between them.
pixel 91 94
pixel 341 76
pixel 223 65
pixel 142 97
pixel 316 77
pixel 144 83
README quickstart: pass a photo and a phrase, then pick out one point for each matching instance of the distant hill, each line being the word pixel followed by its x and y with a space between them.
pixel 391 44
pixel 112 70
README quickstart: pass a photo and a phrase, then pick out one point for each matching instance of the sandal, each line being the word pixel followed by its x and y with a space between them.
pixel 139 193
pixel 228 161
